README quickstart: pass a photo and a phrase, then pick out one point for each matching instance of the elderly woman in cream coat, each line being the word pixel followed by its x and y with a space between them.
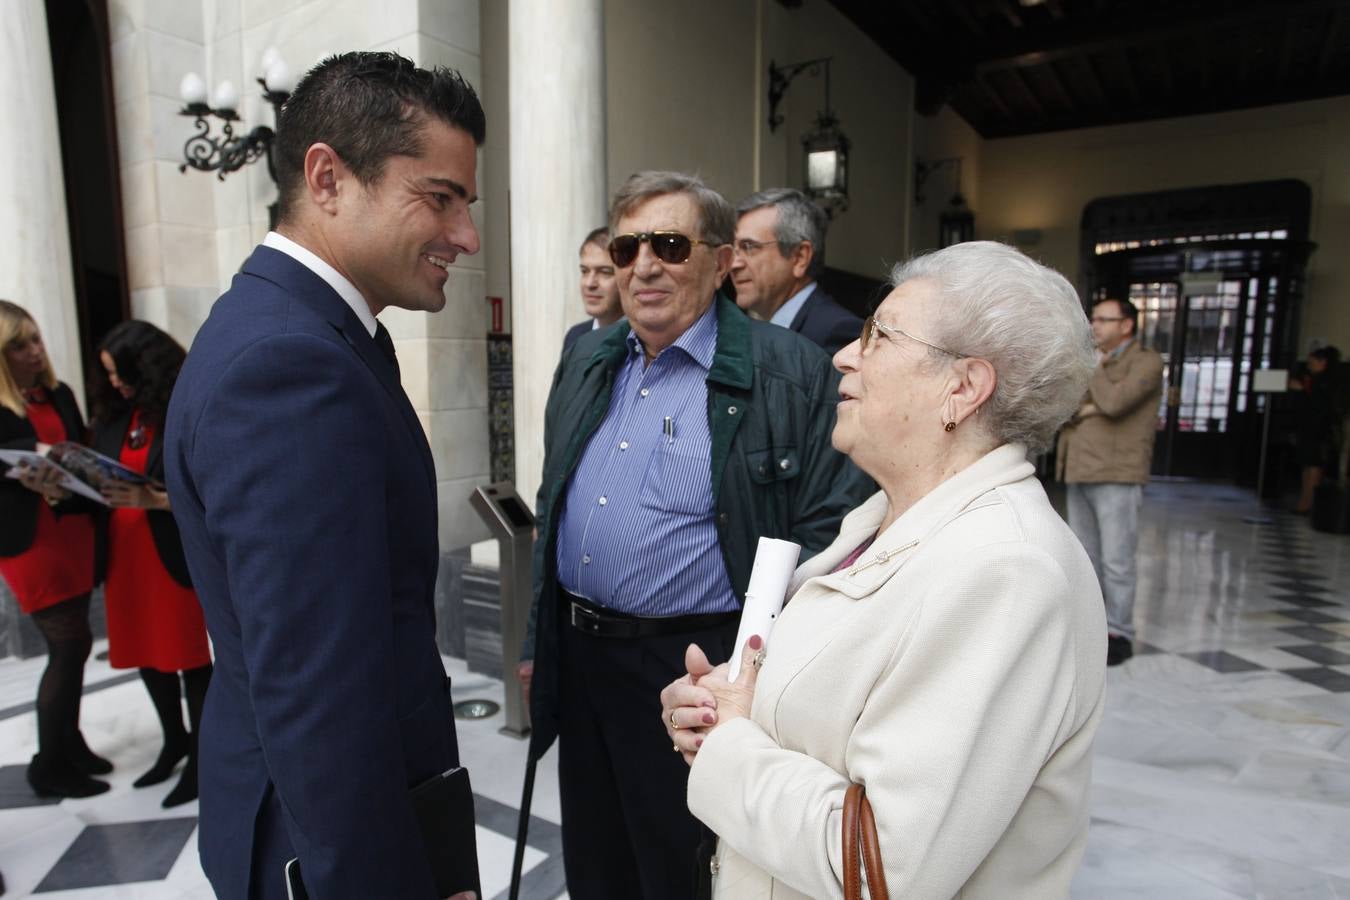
pixel 947 651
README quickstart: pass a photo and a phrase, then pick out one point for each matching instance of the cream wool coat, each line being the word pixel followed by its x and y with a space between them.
pixel 956 670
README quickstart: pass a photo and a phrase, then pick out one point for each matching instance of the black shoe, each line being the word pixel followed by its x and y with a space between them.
pixel 55 776
pixel 186 789
pixel 169 757
pixel 86 760
pixel 1118 649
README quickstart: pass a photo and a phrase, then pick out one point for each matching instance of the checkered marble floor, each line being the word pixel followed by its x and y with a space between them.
pixel 1222 765
pixel 123 846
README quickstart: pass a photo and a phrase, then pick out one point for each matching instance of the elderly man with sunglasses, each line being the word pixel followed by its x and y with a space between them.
pixel 673 441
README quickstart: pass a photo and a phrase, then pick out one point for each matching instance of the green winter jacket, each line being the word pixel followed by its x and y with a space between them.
pixel 771 409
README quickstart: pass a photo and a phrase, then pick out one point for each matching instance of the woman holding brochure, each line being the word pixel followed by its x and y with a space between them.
pixel 155 622
pixel 47 554
pixel 948 651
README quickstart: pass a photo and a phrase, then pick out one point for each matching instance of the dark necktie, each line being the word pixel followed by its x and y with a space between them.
pixel 386 345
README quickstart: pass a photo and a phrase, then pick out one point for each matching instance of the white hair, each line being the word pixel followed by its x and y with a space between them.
pixel 1000 305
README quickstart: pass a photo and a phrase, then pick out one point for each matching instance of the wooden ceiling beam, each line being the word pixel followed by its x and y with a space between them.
pixel 1330 40
pixel 1093 79
pixel 1127 73
pixel 967 16
pixel 1028 95
pixel 995 99
pixel 1286 51
pixel 1059 88
pixel 1103 36
pixel 1186 106
pixel 1009 12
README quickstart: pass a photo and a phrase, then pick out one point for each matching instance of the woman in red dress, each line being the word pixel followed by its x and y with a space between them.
pixel 47 554
pixel 155 622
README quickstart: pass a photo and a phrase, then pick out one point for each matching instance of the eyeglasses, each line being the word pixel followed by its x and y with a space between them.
pixel 749 247
pixel 669 247
pixel 871 325
pixel 1097 320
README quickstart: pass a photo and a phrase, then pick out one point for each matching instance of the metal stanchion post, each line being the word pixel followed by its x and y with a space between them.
pixel 512 524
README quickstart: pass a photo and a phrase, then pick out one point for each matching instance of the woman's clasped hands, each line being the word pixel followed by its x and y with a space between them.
pixel 695 704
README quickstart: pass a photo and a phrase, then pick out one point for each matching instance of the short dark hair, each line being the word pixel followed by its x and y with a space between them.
pixel 1127 311
pixel 368 107
pixel 599 237
pixel 147 359
pixel 799 219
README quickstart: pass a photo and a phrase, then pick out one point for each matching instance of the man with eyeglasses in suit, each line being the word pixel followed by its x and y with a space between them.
pixel 779 253
pixel 673 441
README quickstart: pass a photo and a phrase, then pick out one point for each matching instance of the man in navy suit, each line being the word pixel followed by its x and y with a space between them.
pixel 306 494
pixel 599 287
pixel 780 250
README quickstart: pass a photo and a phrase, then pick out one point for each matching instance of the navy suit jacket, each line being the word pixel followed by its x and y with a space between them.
pixel 826 323
pixel 575 332
pixel 305 492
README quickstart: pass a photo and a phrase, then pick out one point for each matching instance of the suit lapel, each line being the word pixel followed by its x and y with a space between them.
pixel 799 320
pixel 311 290
pixel 355 334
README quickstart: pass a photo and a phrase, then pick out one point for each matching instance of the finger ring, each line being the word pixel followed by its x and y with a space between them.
pixel 675 726
pixel 758 659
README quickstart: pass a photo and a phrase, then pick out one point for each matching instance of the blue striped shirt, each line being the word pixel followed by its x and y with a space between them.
pixel 636 532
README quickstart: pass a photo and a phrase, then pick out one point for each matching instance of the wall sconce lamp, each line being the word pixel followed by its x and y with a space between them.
pixel 825 147
pixel 956 223
pixel 227 152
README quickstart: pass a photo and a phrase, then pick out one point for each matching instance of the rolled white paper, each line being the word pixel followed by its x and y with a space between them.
pixel 775 561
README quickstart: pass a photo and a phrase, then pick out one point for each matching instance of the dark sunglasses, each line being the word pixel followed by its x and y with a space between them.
pixel 668 246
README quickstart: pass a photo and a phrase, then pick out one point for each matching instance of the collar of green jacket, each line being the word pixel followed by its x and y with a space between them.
pixel 732 362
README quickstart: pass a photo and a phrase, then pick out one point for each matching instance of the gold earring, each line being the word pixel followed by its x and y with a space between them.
pixel 950 426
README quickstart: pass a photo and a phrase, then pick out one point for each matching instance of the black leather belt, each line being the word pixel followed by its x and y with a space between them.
pixel 590 619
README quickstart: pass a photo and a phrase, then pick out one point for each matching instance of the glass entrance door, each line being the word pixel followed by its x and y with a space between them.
pixel 1210 343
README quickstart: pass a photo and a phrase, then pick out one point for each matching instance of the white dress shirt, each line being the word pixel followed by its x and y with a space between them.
pixel 345 289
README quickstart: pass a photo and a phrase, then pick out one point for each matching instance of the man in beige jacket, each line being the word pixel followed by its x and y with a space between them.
pixel 1104 456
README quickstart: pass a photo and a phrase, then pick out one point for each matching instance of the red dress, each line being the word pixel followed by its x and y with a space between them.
pixel 153 621
pixel 59 564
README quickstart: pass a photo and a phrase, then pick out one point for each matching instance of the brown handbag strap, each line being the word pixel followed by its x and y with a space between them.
pixel 852 864
pixel 862 848
pixel 871 852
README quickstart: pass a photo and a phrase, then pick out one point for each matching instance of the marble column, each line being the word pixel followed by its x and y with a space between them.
pixel 557 93
pixel 35 262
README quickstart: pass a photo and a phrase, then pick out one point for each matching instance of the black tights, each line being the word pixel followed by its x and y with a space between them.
pixel 65 627
pixel 167 697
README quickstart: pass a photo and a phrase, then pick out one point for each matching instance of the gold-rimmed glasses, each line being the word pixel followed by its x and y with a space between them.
pixel 749 246
pixel 871 325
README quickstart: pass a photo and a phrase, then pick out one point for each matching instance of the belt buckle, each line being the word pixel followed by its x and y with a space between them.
pixel 584 619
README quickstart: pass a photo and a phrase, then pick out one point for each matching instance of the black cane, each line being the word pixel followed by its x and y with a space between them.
pixel 523 828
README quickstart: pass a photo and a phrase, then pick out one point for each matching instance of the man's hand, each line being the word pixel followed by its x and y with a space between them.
pixel 525 672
